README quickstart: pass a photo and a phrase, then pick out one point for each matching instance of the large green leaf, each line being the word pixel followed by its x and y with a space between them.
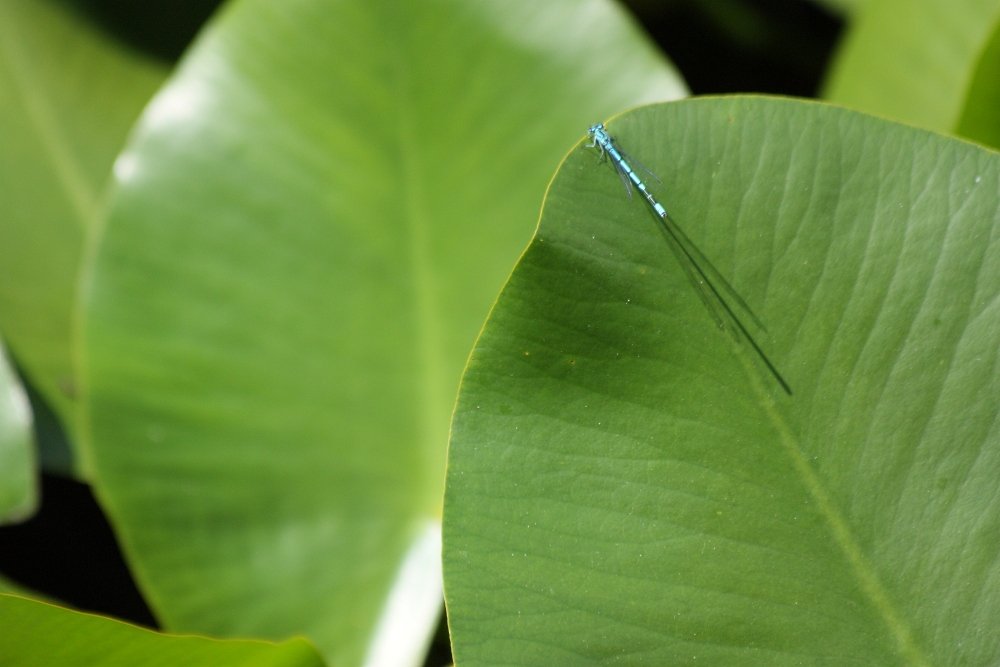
pixel 310 225
pixel 18 479
pixel 623 487
pixel 33 634
pixel 68 96
pixel 913 60
pixel 980 120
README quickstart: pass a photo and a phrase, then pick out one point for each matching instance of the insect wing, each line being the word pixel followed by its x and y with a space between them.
pixel 632 161
pixel 622 174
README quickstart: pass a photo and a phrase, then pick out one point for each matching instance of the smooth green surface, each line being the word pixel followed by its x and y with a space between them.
pixel 622 489
pixel 18 479
pixel 913 60
pixel 33 634
pixel 980 120
pixel 68 96
pixel 309 228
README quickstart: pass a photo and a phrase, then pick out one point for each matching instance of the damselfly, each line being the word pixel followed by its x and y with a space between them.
pixel 721 300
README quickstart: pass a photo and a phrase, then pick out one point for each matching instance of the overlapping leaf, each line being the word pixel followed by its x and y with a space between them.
pixel 36 633
pixel 980 120
pixel 627 485
pixel 18 478
pixel 309 228
pixel 921 62
pixel 68 96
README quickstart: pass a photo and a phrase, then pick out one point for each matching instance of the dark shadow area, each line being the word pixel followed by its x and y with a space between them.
pixel 720 46
pixel 439 653
pixel 159 28
pixel 54 453
pixel 743 46
pixel 68 551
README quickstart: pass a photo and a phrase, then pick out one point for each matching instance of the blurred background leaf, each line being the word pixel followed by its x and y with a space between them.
pixel 309 226
pixel 920 62
pixel 36 633
pixel 620 486
pixel 18 477
pixel 980 120
pixel 68 96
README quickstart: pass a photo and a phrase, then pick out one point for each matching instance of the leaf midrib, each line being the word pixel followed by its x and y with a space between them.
pixel 428 345
pixel 862 570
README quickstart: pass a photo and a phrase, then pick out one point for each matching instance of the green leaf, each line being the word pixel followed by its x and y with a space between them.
pixel 310 225
pixel 35 633
pixel 980 119
pixel 913 60
pixel 625 483
pixel 18 479
pixel 68 96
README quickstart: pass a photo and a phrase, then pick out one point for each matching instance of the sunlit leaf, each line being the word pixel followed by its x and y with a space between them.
pixel 18 478
pixel 913 60
pixel 309 228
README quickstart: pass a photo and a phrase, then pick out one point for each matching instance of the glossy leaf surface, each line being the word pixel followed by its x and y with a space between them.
pixel 913 60
pixel 68 96
pixel 18 478
pixel 35 633
pixel 309 228
pixel 626 484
